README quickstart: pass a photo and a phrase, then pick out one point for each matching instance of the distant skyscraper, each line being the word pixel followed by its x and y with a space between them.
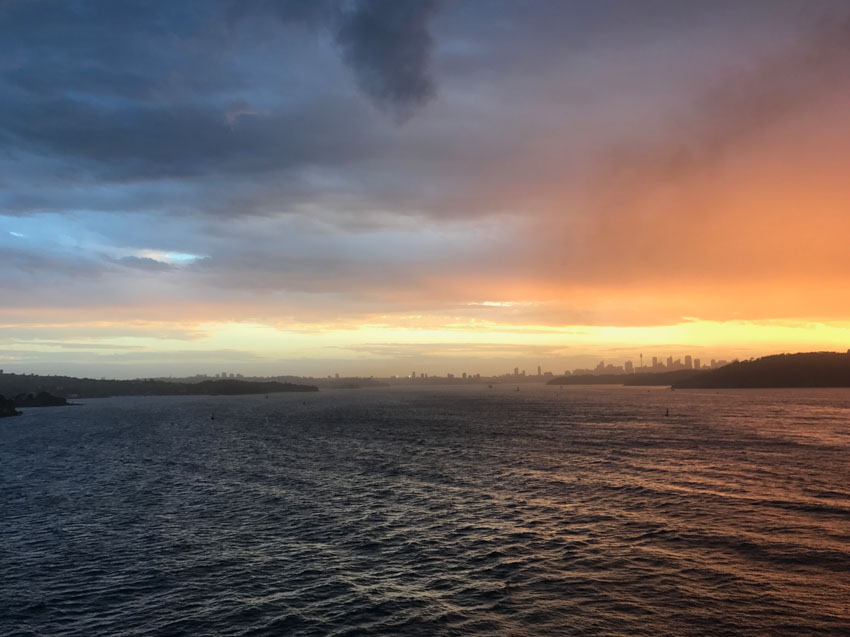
pixel 689 364
pixel 630 369
pixel 516 371
pixel 539 372
pixel 655 361
pixel 413 374
pixel 669 361
pixel 696 363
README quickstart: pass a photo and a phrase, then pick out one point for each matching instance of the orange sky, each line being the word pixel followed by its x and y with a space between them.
pixel 556 185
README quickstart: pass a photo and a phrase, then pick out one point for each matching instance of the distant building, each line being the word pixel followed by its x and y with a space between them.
pixel 539 372
pixel 696 363
pixel 630 369
pixel 516 371
pixel 669 361
pixel 689 363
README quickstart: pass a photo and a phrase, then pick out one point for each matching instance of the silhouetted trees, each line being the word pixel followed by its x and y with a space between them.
pixel 7 408
pixel 813 369
pixel 20 384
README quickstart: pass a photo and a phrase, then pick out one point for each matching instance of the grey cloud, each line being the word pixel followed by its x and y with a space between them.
pixel 186 140
pixel 386 43
pixel 20 265
pixel 146 263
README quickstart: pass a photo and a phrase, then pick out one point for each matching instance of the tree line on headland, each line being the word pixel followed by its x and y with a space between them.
pixel 812 369
pixel 31 390
pixel 49 391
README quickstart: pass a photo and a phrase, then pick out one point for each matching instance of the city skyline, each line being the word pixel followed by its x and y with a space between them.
pixel 655 365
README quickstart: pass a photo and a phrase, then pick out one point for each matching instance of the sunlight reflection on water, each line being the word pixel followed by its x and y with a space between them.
pixel 443 510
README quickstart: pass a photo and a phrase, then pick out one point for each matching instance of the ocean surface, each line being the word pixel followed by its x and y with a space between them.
pixel 440 511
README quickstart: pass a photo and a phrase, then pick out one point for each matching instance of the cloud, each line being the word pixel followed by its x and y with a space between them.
pixel 77 346
pixel 146 263
pixel 385 43
pixel 587 163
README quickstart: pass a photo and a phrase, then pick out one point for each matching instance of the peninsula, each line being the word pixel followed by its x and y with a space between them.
pixel 812 369
pixel 70 387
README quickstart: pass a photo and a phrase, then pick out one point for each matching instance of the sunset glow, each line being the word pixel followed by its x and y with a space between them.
pixel 675 187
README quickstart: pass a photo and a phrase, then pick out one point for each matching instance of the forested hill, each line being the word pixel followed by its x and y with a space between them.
pixel 813 369
pixel 69 387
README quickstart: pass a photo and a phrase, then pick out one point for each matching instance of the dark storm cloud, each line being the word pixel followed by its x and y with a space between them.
pixel 142 140
pixel 386 43
pixel 150 90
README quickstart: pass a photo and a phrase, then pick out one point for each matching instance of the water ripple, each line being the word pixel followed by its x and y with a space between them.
pixel 451 511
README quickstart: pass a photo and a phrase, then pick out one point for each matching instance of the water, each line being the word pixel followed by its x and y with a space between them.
pixel 458 511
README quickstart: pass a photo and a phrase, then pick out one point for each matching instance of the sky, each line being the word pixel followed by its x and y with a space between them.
pixel 375 187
